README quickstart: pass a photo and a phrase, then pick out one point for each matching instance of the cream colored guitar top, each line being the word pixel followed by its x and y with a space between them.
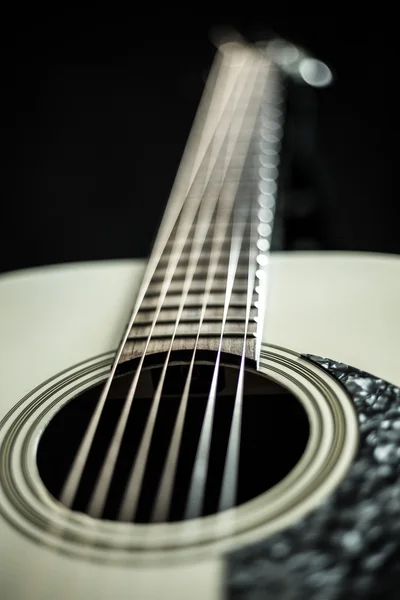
pixel 341 305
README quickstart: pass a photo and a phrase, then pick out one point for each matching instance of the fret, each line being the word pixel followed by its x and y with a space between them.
pixel 197 286
pixel 268 170
pixel 201 273
pixel 192 314
pixel 251 173
pixel 237 299
pixel 211 240
pixel 213 329
pixel 232 344
pixel 190 228
pixel 205 258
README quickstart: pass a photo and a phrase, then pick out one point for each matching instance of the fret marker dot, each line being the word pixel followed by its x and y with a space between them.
pixel 268 172
pixel 267 187
pixel 265 215
pixel 268 160
pixel 267 149
pixel 263 245
pixel 269 123
pixel 269 136
pixel 262 260
pixel 264 229
pixel 266 200
pixel 260 274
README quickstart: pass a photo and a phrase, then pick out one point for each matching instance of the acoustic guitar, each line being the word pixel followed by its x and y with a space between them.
pixel 190 427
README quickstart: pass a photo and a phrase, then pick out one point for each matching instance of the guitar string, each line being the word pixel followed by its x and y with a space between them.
pixel 178 199
pixel 163 497
pixel 165 490
pixel 133 488
pixel 230 475
pixel 258 256
pixel 99 496
pixel 198 480
pixel 231 468
pixel 199 474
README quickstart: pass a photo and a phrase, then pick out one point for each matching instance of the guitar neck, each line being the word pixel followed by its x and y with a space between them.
pixel 216 232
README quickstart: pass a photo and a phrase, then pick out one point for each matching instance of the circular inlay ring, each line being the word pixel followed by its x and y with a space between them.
pixel 28 506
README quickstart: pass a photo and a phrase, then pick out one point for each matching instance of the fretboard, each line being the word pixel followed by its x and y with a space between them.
pixel 207 269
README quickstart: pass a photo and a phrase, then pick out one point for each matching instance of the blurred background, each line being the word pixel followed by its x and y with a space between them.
pixel 96 110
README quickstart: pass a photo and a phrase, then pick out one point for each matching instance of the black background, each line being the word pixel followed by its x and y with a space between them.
pixel 97 108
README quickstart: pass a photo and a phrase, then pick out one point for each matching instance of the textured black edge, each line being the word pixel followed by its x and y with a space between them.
pixel 348 547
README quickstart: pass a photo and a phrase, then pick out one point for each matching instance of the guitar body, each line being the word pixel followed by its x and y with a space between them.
pixel 60 326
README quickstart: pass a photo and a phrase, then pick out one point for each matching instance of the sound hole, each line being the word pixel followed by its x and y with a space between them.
pixel 274 434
